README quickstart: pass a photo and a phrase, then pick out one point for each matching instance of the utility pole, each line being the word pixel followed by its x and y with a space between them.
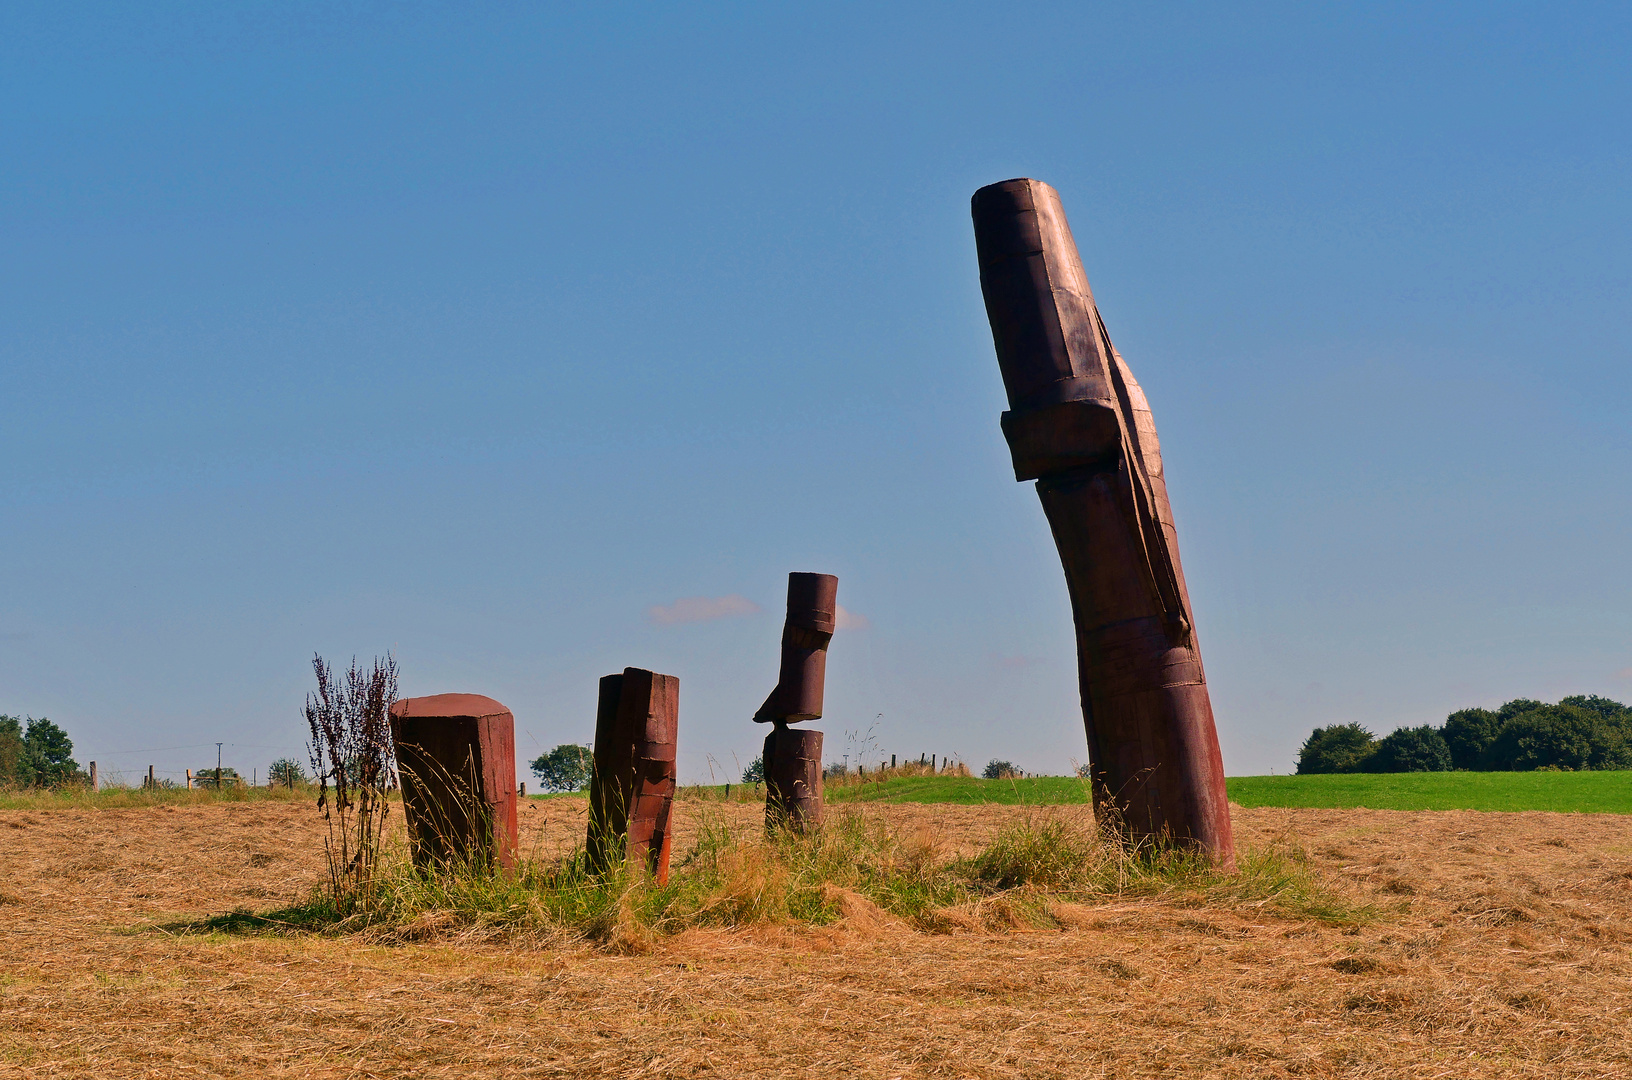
pixel 218 766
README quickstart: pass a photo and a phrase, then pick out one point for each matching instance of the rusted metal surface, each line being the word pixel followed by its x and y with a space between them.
pixel 456 757
pixel 793 759
pixel 813 601
pixel 793 778
pixel 1079 425
pixel 632 793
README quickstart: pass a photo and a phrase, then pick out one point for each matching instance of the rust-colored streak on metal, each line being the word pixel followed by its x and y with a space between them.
pixel 1079 425
pixel 813 601
pixel 793 778
pixel 456 756
pixel 632 793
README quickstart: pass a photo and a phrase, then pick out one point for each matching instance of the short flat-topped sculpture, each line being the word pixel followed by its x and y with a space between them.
pixel 456 757
pixel 631 794
pixel 793 759
pixel 1078 424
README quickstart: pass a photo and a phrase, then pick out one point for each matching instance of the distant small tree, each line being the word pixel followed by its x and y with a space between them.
pixel 47 756
pixel 205 777
pixel 999 770
pixel 1559 736
pixel 1337 749
pixel 1415 749
pixel 566 768
pixel 285 772
pixel 755 772
pixel 1085 772
pixel 1468 733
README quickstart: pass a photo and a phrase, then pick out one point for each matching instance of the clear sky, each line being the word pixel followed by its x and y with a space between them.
pixel 530 342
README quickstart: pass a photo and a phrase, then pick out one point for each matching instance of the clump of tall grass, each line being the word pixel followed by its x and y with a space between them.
pixel 732 878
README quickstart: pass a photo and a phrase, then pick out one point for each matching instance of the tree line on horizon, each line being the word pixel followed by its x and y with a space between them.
pixel 1581 732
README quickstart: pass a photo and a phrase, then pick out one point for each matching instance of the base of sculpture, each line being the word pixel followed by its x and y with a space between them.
pixel 631 795
pixel 793 778
pixel 456 758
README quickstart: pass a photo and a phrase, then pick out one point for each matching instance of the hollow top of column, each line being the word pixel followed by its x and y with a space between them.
pixel 1044 323
pixel 474 706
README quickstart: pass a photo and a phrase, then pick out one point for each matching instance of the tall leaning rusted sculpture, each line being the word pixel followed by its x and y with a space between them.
pixel 1078 424
pixel 631 792
pixel 793 759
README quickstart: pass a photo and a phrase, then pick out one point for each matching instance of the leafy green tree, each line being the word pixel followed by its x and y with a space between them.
pixel 1560 736
pixel 1603 706
pixel 1518 707
pixel 285 772
pixel 11 751
pixel 999 770
pixel 1336 749
pixel 206 777
pixel 1411 749
pixel 1468 733
pixel 48 755
pixel 755 772
pixel 566 768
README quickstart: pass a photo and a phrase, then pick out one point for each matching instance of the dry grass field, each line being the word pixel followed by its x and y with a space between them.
pixel 1499 948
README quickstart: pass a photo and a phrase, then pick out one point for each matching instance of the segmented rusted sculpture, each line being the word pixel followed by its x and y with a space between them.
pixel 456 758
pixel 631 794
pixel 793 759
pixel 1079 425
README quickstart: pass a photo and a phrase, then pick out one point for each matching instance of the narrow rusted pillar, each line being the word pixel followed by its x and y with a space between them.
pixel 632 792
pixel 456 757
pixel 1079 425
pixel 793 759
pixel 793 778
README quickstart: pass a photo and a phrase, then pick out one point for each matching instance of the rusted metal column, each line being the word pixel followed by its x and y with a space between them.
pixel 793 778
pixel 632 793
pixel 456 757
pixel 813 601
pixel 793 759
pixel 1079 425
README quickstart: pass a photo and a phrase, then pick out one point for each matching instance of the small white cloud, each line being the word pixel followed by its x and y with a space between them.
pixel 701 609
pixel 846 619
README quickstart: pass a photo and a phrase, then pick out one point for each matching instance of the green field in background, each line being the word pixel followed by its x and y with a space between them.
pixel 1564 792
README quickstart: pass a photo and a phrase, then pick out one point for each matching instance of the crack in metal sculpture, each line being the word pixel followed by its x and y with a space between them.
pixel 1079 425
pixel 631 794
pixel 793 759
pixel 456 757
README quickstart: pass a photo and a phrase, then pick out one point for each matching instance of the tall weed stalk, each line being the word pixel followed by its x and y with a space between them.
pixel 351 757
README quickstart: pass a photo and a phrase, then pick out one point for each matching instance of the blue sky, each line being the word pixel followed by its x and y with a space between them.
pixel 487 334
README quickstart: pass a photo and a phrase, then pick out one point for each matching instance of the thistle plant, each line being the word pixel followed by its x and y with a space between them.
pixel 351 759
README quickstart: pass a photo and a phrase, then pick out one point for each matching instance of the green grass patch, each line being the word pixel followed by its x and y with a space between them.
pixel 738 876
pixel 119 798
pixel 1560 792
